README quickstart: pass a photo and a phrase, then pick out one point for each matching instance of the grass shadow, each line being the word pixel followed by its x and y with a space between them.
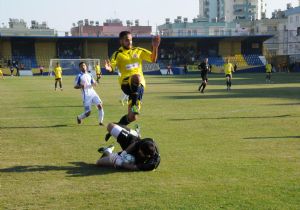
pixel 285 104
pixel 226 118
pixel 38 127
pixel 46 107
pixel 78 169
pixel 274 137
pixel 278 92
pixel 240 79
pixel 21 127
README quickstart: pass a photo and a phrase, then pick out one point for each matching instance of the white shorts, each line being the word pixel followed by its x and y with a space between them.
pixel 91 100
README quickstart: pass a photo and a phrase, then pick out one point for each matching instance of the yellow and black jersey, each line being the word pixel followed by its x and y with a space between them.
pixel 129 62
pixel 228 68
pixel 268 68
pixel 97 69
pixel 58 72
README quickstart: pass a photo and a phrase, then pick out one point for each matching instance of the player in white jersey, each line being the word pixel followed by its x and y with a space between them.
pixel 85 82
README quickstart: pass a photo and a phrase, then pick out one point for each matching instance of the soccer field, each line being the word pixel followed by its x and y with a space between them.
pixel 219 150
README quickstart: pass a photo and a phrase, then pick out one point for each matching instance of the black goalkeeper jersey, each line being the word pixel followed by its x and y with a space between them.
pixel 144 163
pixel 204 67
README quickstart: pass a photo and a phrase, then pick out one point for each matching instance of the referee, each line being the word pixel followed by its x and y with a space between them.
pixel 204 67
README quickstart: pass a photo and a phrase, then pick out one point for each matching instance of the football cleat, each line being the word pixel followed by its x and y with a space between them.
pixel 106 150
pixel 135 109
pixel 107 136
pixel 78 120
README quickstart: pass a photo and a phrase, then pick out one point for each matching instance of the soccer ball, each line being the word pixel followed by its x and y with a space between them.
pixel 128 158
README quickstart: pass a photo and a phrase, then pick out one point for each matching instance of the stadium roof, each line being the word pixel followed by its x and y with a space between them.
pixel 239 37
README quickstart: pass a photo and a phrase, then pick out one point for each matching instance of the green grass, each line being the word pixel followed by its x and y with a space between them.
pixel 220 150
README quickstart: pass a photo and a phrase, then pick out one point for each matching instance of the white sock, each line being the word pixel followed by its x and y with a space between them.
pixel 124 97
pixel 109 150
pixel 100 115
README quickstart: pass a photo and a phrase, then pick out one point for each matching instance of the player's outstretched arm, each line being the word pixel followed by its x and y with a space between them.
pixel 155 45
pixel 108 66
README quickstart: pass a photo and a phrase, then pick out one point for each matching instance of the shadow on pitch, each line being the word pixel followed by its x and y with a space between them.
pixel 239 78
pixel 225 118
pixel 46 107
pixel 285 104
pixel 38 127
pixel 278 92
pixel 78 169
pixel 274 137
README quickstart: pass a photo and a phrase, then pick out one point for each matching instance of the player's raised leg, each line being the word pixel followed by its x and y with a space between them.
pixel 85 114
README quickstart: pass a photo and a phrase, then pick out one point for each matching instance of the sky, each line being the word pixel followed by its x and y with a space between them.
pixel 61 14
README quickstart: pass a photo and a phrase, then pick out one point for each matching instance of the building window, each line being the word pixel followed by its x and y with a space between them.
pixel 298 31
pixel 291 19
pixel 297 19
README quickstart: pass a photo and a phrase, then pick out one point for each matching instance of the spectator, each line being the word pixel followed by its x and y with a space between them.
pixel 185 68
pixel 11 70
pixel 41 70
pixel 169 67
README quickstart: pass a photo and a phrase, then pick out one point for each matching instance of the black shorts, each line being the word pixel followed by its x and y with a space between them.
pixel 228 75
pixel 204 78
pixel 125 138
pixel 127 89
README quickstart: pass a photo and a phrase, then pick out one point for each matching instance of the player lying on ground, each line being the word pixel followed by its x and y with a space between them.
pixel 145 151
pixel 85 82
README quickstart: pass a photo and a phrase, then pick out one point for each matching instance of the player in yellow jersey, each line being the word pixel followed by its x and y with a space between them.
pixel 98 72
pixel 128 60
pixel 1 73
pixel 268 72
pixel 228 69
pixel 58 76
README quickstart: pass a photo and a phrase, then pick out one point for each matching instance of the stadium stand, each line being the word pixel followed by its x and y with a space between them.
pixel 37 51
pixel 44 52
pixel 253 60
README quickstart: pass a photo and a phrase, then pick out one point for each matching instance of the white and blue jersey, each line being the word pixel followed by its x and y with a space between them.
pixel 89 95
